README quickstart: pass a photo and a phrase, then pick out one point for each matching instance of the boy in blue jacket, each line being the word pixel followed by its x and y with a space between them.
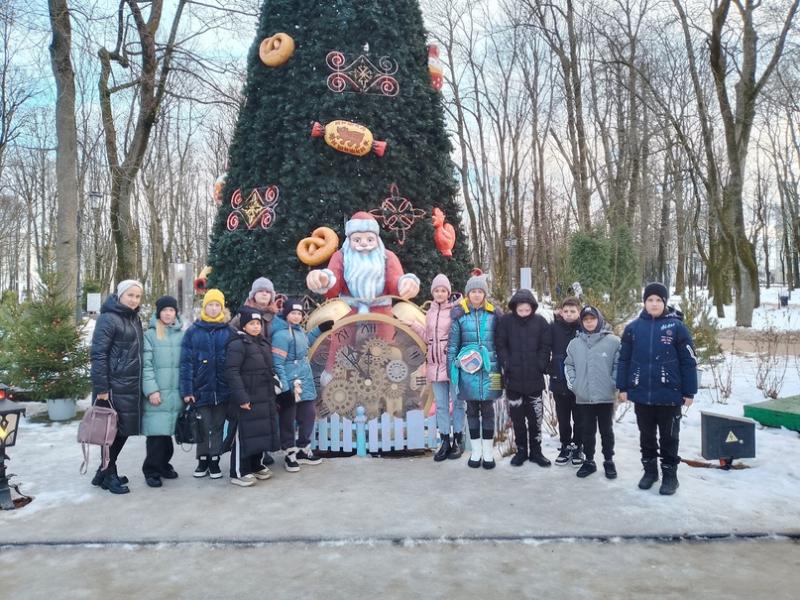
pixel 657 371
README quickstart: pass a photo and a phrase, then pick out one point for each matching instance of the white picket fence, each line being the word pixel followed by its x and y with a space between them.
pixel 339 434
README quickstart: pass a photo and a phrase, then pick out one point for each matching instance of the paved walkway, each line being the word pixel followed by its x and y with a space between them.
pixel 395 528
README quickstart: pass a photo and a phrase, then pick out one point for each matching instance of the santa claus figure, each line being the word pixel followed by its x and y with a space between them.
pixel 364 273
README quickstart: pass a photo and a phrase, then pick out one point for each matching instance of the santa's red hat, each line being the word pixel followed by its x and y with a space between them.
pixel 361 222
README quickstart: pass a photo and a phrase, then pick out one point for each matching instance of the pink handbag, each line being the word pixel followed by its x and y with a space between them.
pixel 98 427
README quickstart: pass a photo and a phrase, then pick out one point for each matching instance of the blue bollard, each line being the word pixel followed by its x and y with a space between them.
pixel 361 431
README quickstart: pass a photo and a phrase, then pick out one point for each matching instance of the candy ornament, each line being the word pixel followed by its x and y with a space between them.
pixel 347 137
pixel 444 234
pixel 435 68
pixel 317 249
pixel 201 283
pixel 276 50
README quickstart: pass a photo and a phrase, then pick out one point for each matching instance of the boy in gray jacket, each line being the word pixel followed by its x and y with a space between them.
pixel 591 370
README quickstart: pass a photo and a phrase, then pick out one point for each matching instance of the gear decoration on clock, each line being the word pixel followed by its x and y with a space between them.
pixel 368 360
pixel 397 214
pixel 362 76
pixel 257 209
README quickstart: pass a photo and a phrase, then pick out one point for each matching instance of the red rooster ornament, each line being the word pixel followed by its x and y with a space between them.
pixel 444 234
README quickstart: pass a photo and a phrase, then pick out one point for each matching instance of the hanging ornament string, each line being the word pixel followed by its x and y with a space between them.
pixel 362 76
pixel 397 214
pixel 257 209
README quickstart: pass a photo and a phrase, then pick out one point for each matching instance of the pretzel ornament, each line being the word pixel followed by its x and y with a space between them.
pixel 317 249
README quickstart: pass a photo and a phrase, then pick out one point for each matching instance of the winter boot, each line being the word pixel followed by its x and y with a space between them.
pixel 587 468
pixel 610 469
pixel 153 481
pixel 650 473
pixel 487 447
pixel 444 449
pixel 202 467
pixel 97 480
pixel 537 457
pixel 670 482
pixel 290 460
pixel 457 449
pixel 520 457
pixel 564 455
pixel 112 483
pixel 475 453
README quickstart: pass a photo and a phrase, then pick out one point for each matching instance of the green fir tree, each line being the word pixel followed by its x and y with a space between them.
pixel 42 350
pixel 319 186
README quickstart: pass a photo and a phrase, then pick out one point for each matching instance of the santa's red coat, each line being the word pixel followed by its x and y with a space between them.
pixel 394 270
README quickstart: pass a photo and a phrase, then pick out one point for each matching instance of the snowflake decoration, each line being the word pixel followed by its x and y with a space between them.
pixel 397 214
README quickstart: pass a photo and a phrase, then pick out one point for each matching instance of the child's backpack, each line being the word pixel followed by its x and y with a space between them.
pixel 98 427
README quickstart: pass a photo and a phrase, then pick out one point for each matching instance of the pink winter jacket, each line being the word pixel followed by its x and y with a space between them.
pixel 435 334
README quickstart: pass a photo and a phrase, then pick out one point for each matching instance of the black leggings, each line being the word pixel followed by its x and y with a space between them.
pixel 480 416
pixel 113 452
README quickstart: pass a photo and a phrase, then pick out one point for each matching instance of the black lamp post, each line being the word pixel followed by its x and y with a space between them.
pixel 9 423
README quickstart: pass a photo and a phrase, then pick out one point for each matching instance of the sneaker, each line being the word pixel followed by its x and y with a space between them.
pixel 263 474
pixel 576 457
pixel 202 468
pixel 306 456
pixel 564 455
pixel 587 468
pixel 290 462
pixel 267 459
pixel 244 480
pixel 610 469
pixel 213 468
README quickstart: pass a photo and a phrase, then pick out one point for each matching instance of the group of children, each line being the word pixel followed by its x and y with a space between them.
pixel 474 352
pixel 251 373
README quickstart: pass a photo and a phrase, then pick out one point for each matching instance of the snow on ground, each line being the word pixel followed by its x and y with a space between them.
pixel 767 316
pixel 47 457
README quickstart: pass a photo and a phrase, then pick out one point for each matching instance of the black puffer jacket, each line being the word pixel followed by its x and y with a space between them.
pixel 117 362
pixel 248 369
pixel 523 347
pixel 563 333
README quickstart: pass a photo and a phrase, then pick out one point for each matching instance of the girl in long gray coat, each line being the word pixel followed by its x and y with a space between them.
pixel 591 369
pixel 161 386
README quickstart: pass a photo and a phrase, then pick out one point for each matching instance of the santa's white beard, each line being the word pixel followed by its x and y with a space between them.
pixel 365 272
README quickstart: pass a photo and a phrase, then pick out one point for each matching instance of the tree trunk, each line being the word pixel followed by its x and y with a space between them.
pixel 66 153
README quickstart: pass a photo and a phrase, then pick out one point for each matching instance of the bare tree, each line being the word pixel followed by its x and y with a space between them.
pixel 66 154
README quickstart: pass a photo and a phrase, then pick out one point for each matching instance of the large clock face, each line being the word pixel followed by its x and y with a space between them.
pixel 370 360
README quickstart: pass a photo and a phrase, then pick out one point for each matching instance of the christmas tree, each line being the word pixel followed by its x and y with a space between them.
pixel 361 61
pixel 42 349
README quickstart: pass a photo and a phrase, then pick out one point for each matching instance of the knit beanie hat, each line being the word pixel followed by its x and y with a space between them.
pixel 214 295
pixel 292 304
pixel 247 314
pixel 477 282
pixel 165 302
pixel 262 284
pixel 441 280
pixel 124 286
pixel 360 222
pixel 656 289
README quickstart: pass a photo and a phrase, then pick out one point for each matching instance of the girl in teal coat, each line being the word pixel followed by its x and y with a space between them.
pixel 297 400
pixel 474 369
pixel 160 384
